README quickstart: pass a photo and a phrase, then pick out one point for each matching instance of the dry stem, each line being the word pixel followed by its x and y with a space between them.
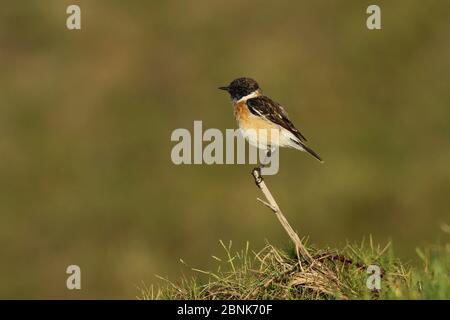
pixel 272 204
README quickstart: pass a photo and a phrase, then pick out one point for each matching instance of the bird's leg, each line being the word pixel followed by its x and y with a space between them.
pixel 264 164
pixel 267 157
pixel 269 154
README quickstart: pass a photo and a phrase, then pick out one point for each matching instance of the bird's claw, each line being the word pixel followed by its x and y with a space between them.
pixel 257 175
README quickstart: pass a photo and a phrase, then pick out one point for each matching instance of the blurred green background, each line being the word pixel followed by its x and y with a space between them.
pixel 86 118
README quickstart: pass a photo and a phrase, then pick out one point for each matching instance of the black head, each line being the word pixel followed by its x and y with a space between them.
pixel 241 87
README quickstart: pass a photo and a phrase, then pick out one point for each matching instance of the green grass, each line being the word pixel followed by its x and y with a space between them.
pixel 272 273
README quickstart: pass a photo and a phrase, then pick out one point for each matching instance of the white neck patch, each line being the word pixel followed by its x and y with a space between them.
pixel 252 95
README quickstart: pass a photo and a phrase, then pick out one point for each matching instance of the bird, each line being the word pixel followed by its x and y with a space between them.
pixel 255 111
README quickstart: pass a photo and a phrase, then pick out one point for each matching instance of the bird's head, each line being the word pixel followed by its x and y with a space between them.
pixel 242 87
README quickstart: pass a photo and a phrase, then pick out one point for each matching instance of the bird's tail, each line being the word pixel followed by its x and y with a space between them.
pixel 313 153
pixel 304 147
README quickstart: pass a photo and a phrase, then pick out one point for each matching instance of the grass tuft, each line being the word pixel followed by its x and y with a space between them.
pixel 272 273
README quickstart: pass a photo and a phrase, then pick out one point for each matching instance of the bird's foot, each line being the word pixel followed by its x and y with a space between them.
pixel 256 173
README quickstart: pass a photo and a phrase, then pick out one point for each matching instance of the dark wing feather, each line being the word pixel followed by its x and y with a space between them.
pixel 265 107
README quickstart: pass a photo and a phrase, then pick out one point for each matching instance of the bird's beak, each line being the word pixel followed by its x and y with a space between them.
pixel 224 88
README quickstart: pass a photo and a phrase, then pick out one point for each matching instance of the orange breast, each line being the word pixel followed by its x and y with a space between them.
pixel 241 112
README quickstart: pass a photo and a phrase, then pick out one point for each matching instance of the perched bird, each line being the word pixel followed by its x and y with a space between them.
pixel 255 111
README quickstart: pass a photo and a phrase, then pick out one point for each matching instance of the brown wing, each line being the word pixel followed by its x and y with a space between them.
pixel 265 107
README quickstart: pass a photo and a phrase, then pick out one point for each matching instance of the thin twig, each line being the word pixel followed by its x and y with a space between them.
pixel 272 204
